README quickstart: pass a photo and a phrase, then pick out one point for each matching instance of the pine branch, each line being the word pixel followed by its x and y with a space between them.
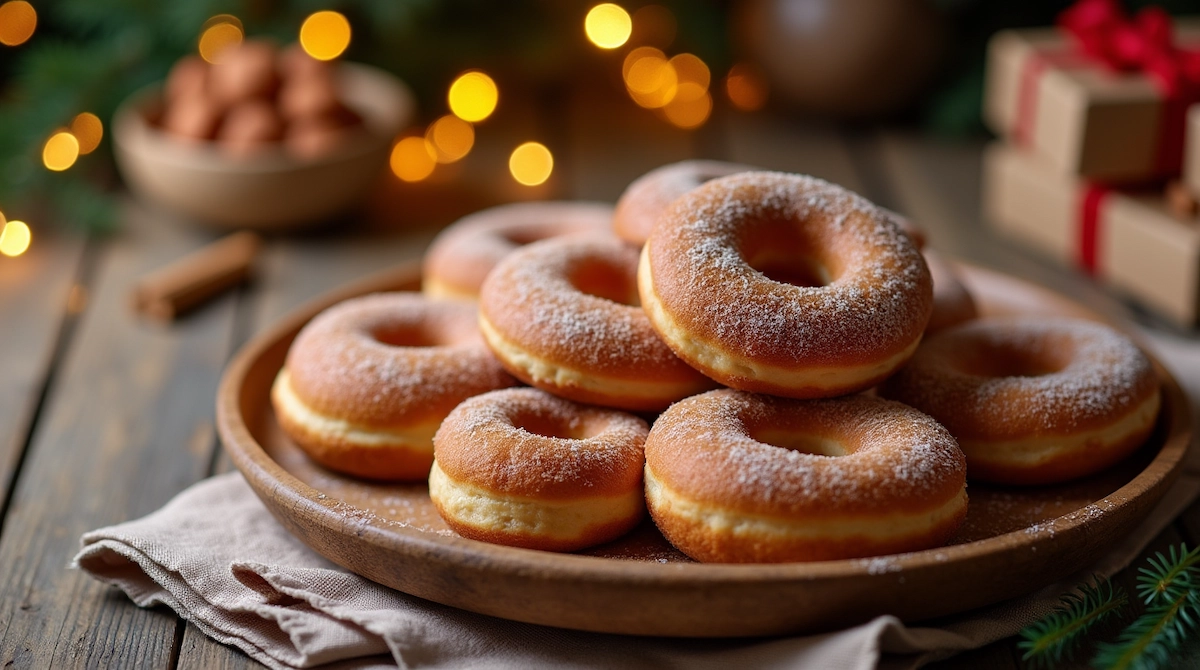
pixel 1056 636
pixel 1166 577
pixel 1149 642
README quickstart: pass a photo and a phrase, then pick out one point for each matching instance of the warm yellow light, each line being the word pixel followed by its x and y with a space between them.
pixel 88 129
pixel 637 54
pixel 690 108
pixel 222 32
pixel 451 138
pixel 608 26
pixel 651 80
pixel 413 159
pixel 746 87
pixel 325 35
pixel 14 238
pixel 18 20
pixel 691 70
pixel 473 96
pixel 531 163
pixel 60 151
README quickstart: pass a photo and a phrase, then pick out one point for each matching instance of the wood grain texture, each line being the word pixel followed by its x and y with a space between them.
pixel 34 289
pixel 129 425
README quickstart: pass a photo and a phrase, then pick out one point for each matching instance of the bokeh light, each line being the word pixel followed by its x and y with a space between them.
pixel 218 34
pixel 690 107
pixel 413 159
pixel 531 163
pixel 649 77
pixel 88 130
pixel 608 26
pixel 14 238
pixel 689 69
pixel 473 96
pixel 60 151
pixel 653 25
pixel 325 35
pixel 18 20
pixel 746 87
pixel 451 138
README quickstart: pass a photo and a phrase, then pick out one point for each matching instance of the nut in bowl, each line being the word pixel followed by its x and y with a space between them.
pixel 224 176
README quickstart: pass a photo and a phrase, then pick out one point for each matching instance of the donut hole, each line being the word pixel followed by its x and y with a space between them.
pixel 1012 359
pixel 794 271
pixel 803 442
pixel 406 335
pixel 776 250
pixel 607 281
pixel 520 238
pixel 548 425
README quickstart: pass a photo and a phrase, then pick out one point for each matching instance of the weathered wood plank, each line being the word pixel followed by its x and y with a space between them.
pixel 34 291
pixel 127 426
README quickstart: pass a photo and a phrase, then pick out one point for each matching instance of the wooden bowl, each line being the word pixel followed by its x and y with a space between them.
pixel 270 190
pixel 1015 540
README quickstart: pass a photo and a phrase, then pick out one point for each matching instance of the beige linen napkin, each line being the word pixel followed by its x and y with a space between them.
pixel 217 557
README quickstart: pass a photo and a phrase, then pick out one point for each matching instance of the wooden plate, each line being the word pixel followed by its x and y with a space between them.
pixel 1015 540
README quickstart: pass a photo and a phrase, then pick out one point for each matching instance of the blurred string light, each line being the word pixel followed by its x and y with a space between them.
pixel 60 151
pixel 18 20
pixel 531 163
pixel 325 35
pixel 451 138
pixel 218 34
pixel 88 130
pixel 413 159
pixel 608 26
pixel 649 77
pixel 14 238
pixel 746 87
pixel 473 96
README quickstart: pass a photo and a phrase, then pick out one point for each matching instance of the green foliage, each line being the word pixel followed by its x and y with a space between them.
pixel 1153 638
pixel 1167 576
pixel 1056 636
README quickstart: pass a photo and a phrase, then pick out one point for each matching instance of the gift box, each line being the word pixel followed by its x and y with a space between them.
pixel 1102 96
pixel 1130 241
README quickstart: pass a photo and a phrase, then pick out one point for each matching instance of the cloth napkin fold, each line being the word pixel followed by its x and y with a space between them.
pixel 218 558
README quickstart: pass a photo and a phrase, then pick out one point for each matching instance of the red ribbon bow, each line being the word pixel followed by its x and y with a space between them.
pixel 1144 42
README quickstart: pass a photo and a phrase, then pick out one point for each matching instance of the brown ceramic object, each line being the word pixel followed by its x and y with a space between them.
pixel 1015 540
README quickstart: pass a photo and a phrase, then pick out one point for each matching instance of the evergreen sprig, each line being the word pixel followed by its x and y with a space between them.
pixel 1149 642
pixel 1056 636
pixel 1167 576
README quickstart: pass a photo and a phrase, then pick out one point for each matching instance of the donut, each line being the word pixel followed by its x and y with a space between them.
pixel 524 468
pixel 562 315
pixel 367 382
pixel 465 252
pixel 785 284
pixel 648 196
pixel 736 477
pixel 952 302
pixel 1033 400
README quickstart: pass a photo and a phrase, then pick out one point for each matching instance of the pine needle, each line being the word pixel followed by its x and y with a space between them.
pixel 1164 579
pixel 1056 635
pixel 1151 640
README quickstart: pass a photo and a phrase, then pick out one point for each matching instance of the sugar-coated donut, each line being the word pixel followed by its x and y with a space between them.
pixel 648 196
pixel 562 315
pixel 466 251
pixel 952 302
pixel 735 477
pixel 785 284
pixel 1033 400
pixel 367 382
pixel 524 468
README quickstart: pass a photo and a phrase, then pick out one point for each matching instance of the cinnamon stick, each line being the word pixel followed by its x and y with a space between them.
pixel 172 290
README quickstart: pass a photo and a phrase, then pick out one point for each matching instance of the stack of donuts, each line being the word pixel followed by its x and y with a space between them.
pixel 767 363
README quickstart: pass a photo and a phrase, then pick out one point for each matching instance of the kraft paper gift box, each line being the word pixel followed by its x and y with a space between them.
pixel 1060 93
pixel 1129 241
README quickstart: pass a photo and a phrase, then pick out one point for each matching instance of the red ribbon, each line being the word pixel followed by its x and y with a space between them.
pixel 1094 197
pixel 1104 34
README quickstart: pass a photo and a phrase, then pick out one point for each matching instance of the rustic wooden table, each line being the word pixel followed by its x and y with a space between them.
pixel 105 417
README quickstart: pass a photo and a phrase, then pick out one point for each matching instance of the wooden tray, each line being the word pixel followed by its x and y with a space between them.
pixel 1014 541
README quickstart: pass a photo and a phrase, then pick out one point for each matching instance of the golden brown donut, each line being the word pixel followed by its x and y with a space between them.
pixel 524 468
pixel 785 284
pixel 367 382
pixel 648 196
pixel 465 252
pixel 562 315
pixel 734 477
pixel 952 302
pixel 1033 400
